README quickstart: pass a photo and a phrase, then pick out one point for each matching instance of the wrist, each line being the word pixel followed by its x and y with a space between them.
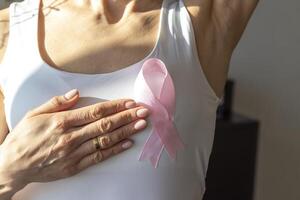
pixel 7 192
pixel 8 189
pixel 9 185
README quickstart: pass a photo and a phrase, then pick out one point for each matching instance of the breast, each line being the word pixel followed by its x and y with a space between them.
pixel 124 176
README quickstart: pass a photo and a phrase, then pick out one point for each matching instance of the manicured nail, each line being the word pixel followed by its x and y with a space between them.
pixel 130 104
pixel 142 112
pixel 140 124
pixel 126 145
pixel 69 95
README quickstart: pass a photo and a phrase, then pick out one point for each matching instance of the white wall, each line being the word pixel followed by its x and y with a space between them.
pixel 266 67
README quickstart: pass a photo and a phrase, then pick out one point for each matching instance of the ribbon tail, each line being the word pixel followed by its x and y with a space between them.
pixel 171 140
pixel 155 159
pixel 152 149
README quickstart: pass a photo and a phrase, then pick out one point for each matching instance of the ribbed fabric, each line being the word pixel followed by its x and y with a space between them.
pixel 28 81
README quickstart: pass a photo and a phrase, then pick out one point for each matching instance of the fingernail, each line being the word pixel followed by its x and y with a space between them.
pixel 142 112
pixel 130 104
pixel 69 95
pixel 140 124
pixel 126 145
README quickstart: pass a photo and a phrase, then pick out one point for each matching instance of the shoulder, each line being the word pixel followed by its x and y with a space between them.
pixel 4 31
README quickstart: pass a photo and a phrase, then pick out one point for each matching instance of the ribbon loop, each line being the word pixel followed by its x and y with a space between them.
pixel 155 89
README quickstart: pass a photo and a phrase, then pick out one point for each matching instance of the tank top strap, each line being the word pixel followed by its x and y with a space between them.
pixel 20 44
pixel 22 26
pixel 178 30
pixel 178 43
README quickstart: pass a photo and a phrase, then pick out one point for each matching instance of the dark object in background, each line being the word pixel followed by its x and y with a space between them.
pixel 225 108
pixel 231 169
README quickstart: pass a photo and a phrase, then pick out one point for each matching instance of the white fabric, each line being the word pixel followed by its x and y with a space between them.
pixel 28 81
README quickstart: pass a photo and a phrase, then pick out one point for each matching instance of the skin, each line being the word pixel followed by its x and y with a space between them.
pixel 124 29
pixel 58 143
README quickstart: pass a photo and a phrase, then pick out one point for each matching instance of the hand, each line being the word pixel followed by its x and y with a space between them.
pixel 52 142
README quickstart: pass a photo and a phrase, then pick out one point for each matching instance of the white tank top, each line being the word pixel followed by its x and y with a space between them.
pixel 27 81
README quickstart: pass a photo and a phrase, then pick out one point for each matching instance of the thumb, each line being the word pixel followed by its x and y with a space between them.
pixel 56 104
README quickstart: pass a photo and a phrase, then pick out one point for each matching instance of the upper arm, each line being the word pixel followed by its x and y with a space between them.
pixel 3 124
pixel 4 31
pixel 219 25
pixel 230 17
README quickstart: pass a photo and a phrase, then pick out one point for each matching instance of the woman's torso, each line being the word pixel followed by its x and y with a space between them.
pixel 28 81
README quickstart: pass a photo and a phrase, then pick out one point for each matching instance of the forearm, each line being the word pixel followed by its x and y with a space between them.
pixel 6 191
pixel 9 185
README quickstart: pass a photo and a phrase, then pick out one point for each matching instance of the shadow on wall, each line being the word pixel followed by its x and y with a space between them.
pixel 5 3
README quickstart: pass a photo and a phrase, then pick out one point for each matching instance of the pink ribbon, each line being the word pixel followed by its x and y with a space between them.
pixel 154 89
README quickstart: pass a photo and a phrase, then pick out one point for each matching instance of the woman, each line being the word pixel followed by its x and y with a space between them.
pixel 55 45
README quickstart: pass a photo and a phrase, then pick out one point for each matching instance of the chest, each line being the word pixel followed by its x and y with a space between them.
pixel 88 44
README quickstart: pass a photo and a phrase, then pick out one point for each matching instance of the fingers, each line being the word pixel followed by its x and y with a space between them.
pixel 111 123
pixel 56 104
pixel 109 140
pixel 88 114
pixel 102 155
